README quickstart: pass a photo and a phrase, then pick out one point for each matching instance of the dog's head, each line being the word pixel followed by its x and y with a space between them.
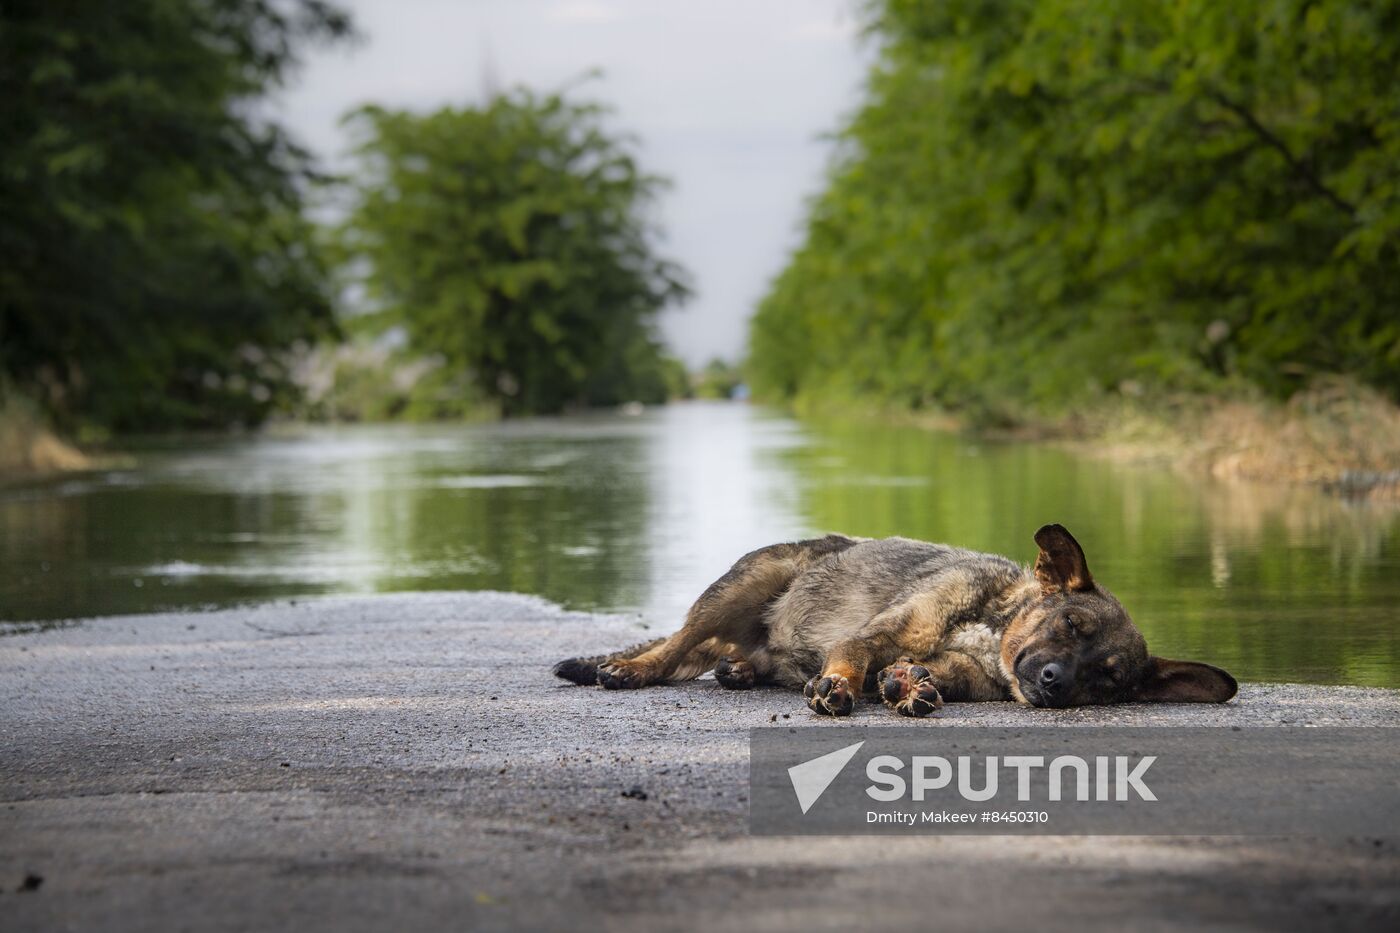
pixel 1075 645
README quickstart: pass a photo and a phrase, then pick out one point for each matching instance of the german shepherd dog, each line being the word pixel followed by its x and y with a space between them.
pixel 914 624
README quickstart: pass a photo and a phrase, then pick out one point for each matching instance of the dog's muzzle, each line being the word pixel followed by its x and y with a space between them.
pixel 1046 685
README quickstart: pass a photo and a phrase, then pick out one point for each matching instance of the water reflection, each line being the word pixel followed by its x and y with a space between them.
pixel 639 514
pixel 1275 583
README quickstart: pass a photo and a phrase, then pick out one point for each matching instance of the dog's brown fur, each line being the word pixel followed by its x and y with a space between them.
pixel 917 624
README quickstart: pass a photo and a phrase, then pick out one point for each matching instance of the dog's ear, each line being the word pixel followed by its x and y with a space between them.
pixel 1061 565
pixel 1169 681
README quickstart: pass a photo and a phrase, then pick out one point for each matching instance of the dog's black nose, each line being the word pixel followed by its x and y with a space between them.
pixel 1052 676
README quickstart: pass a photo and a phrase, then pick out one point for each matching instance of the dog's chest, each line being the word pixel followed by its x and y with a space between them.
pixel 978 641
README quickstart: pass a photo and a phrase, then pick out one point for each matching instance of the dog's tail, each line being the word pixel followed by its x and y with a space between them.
pixel 584 671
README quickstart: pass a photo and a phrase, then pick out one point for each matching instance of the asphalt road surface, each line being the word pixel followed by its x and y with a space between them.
pixel 408 762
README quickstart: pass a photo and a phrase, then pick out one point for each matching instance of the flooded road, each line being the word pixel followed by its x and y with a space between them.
pixel 639 514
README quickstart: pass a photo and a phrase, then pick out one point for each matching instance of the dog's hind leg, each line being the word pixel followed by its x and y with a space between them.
pixel 729 611
pixel 704 657
pixel 584 671
pixel 737 671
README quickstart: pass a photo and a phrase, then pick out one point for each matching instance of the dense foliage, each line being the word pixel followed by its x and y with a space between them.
pixel 718 379
pixel 510 242
pixel 1041 201
pixel 154 259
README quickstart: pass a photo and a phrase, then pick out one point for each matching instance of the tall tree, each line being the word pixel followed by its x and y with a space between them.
pixel 154 257
pixel 512 241
pixel 1045 200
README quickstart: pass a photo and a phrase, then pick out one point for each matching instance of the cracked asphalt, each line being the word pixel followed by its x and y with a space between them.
pixel 350 763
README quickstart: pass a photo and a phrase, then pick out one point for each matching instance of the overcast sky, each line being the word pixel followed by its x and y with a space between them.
pixel 729 97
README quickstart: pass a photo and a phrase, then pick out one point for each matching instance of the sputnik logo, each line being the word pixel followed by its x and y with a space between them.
pixel 811 778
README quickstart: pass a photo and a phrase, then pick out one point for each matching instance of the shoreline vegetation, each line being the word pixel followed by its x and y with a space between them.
pixel 1170 237
pixel 1340 436
pixel 28 446
pixel 1337 435
pixel 1160 230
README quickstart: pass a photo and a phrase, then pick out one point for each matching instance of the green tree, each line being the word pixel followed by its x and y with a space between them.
pixel 1044 201
pixel 154 259
pixel 718 379
pixel 511 240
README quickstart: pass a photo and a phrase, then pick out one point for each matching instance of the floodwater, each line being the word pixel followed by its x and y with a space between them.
pixel 639 514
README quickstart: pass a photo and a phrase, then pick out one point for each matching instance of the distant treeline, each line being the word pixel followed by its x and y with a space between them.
pixel 159 267
pixel 1044 202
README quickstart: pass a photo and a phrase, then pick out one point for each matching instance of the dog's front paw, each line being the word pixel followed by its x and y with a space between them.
pixel 621 675
pixel 908 689
pixel 830 696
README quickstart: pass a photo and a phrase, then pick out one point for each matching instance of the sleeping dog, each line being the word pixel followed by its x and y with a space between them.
pixel 914 624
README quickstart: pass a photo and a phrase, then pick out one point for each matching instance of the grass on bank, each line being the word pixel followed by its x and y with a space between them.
pixel 1336 434
pixel 27 445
